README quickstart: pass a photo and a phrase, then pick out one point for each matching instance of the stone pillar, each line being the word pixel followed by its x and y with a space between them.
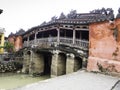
pixel 73 64
pixel 58 66
pixel 26 62
pixel 84 63
pixel 36 64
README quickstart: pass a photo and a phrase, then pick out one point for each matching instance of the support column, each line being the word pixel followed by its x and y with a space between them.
pixel 58 66
pixel 80 35
pixel 35 40
pixel 37 64
pixel 73 36
pixel 28 41
pixel 73 64
pixel 26 63
pixel 84 64
pixel 58 35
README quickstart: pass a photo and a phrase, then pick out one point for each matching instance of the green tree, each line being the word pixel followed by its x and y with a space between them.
pixel 9 47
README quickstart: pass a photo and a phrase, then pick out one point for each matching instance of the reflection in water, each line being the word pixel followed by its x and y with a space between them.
pixel 12 80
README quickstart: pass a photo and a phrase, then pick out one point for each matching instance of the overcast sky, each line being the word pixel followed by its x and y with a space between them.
pixel 25 14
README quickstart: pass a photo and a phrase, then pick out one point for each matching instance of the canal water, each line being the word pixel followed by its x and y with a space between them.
pixel 13 80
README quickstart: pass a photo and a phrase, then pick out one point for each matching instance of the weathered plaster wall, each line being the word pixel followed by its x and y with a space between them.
pixel 11 39
pixel 102 42
pixel 18 43
pixel 104 47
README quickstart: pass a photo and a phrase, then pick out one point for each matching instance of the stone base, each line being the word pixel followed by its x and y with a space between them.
pixel 36 64
pixel 26 62
pixel 73 65
pixel 58 66
pixel 103 65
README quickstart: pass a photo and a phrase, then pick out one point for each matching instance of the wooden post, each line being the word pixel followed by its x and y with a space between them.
pixel 73 35
pixel 58 35
pixel 80 35
pixel 35 38
pixel 28 41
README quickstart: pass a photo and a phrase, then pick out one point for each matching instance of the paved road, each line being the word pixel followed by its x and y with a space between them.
pixel 116 86
pixel 80 80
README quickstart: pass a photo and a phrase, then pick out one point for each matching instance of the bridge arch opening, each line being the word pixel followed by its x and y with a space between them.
pixel 47 62
pixel 78 63
pixel 62 63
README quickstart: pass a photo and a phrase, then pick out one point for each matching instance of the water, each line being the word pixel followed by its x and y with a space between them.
pixel 12 80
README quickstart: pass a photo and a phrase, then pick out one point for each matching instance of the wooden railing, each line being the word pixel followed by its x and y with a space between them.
pixel 62 40
pixel 82 43
pixel 46 40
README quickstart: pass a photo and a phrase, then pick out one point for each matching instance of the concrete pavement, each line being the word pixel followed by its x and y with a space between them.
pixel 80 80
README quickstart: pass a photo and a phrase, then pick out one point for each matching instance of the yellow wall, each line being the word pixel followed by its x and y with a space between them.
pixel 1 42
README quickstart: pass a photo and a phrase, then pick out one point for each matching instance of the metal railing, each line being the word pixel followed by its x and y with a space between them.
pixel 62 40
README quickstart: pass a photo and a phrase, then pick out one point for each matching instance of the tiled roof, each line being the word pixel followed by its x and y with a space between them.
pixel 97 15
